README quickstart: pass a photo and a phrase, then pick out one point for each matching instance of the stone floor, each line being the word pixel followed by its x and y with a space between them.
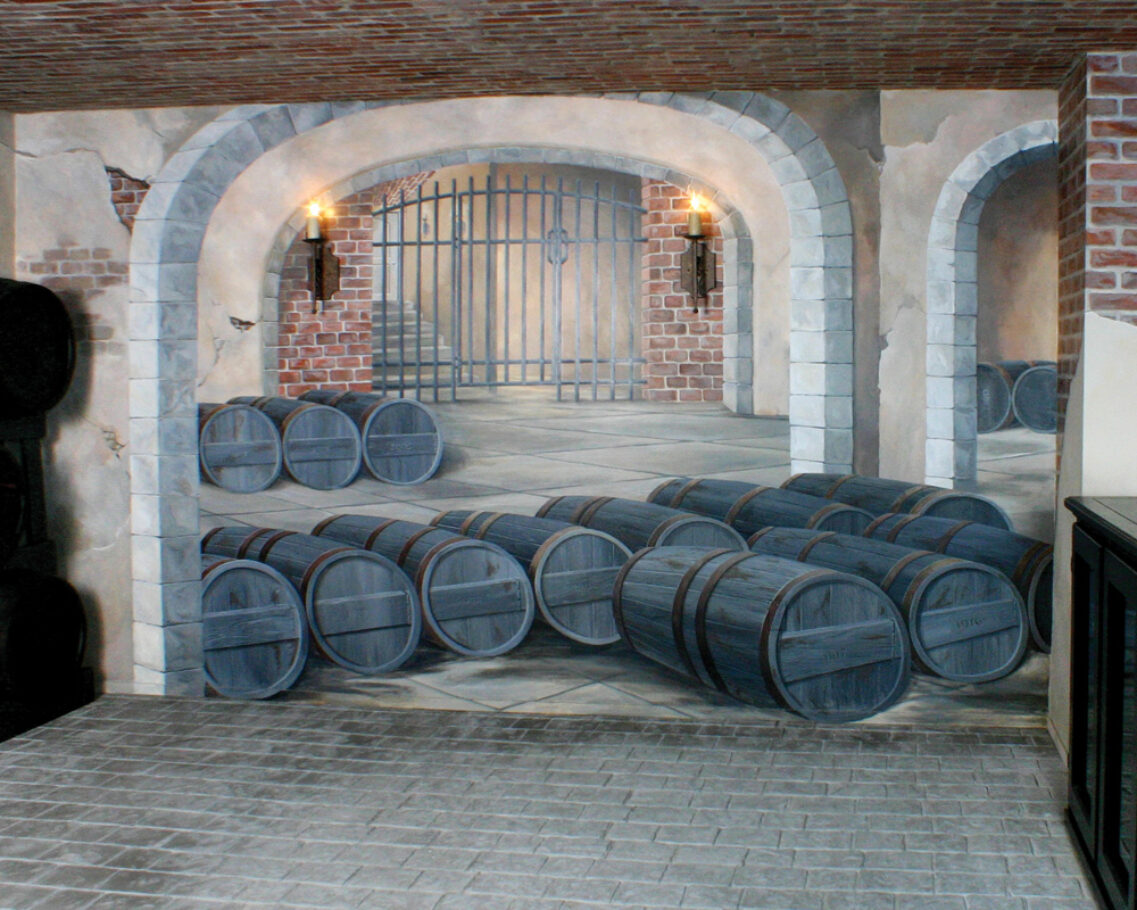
pixel 513 451
pixel 557 777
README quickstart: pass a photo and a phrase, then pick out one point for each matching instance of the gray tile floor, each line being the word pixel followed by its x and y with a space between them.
pixel 559 777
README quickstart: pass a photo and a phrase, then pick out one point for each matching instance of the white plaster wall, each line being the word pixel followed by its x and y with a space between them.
pixel 926 134
pixel 1097 460
pixel 275 186
pixel 62 197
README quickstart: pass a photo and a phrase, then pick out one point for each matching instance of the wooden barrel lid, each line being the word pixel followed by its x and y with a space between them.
pixel 363 611
pixel 969 506
pixel 476 598
pixel 835 648
pixel 322 447
pixel 254 633
pixel 573 576
pixel 696 531
pixel 966 621
pixel 1035 399
pixel 239 448
pixel 993 398
pixel 402 443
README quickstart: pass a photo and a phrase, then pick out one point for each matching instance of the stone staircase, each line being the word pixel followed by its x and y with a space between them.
pixel 416 354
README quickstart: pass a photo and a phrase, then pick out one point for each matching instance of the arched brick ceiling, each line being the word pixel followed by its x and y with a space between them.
pixel 61 54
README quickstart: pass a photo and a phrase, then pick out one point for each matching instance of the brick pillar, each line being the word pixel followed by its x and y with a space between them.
pixel 683 349
pixel 1097 216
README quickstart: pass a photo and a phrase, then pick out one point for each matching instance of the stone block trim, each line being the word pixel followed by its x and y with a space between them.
pixel 951 449
pixel 683 349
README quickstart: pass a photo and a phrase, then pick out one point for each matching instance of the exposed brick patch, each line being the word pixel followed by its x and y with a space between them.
pixel 127 194
pixel 332 349
pixel 683 349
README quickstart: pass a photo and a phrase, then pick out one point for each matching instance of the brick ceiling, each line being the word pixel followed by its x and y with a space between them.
pixel 60 54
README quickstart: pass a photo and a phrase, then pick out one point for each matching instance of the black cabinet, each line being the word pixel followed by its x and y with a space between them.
pixel 1103 694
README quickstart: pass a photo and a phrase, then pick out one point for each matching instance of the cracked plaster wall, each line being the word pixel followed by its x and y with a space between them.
pixel 7 196
pixel 925 135
pixel 64 214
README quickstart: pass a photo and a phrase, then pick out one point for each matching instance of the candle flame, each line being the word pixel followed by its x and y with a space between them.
pixel 314 209
pixel 697 203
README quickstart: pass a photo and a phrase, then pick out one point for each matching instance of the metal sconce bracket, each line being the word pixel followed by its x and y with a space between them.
pixel 697 269
pixel 323 272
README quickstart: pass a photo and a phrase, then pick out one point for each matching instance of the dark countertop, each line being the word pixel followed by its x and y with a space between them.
pixel 1113 516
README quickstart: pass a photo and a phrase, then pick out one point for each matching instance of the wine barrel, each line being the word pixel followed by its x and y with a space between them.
pixel 750 507
pixel 476 599
pixel 238 447
pixel 826 645
pixel 12 503
pixel 1034 398
pixel 1027 562
pixel 254 635
pixel 43 632
pixel 572 568
pixel 878 495
pixel 362 611
pixel 401 440
pixel 321 446
pixel 642 524
pixel 37 349
pixel 966 621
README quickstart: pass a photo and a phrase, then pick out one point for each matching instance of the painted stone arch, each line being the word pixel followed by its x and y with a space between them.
pixel 167 241
pixel 952 295
pixel 738 246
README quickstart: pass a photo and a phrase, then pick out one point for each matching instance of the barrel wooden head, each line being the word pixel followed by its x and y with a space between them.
pixel 993 398
pixel 238 447
pixel 476 599
pixel 1034 398
pixel 254 633
pixel 826 645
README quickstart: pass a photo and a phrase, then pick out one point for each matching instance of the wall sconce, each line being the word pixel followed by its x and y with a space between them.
pixel 323 266
pixel 697 262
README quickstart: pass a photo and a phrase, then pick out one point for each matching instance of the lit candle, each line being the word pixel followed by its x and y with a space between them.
pixel 312 231
pixel 695 218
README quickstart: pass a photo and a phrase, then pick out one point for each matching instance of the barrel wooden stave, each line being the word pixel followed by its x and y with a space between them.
pixel 1027 562
pixel 37 349
pixel 642 524
pixel 762 630
pixel 967 623
pixel 572 568
pixel 321 445
pixel 476 599
pixel 1034 398
pixel 993 398
pixel 402 443
pixel 750 507
pixel 238 447
pixel 254 630
pixel 362 611
pixel 879 495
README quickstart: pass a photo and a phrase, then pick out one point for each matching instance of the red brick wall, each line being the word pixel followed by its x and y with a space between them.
pixel 127 194
pixel 683 349
pixel 332 349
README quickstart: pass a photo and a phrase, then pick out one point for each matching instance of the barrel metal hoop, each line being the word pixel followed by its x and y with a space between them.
pixel 895 506
pixel 761 532
pixel 249 539
pixel 942 543
pixel 840 480
pixel 1028 560
pixel 318 530
pixel 677 607
pixel 900 525
pixel 587 510
pixel 732 512
pixel 374 535
pixel 271 542
pixel 310 572
pixel 701 618
pixel 664 526
pixel 876 523
pixel 432 554
pixel 481 533
pixel 900 565
pixel 411 541
pixel 824 513
pixel 221 560
pixel 295 412
pixel 803 556
pixel 618 593
pixel 683 491
pixel 544 510
pixel 659 489
pixel 549 544
pixel 464 527
pixel 203 419
pixel 208 536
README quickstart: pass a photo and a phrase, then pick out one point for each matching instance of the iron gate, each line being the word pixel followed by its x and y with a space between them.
pixel 490 285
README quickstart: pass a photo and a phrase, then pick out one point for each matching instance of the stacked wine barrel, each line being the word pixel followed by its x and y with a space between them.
pixel 321 440
pixel 1017 392
pixel 43 627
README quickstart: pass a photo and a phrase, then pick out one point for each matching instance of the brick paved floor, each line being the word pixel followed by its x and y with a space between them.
pixel 198 803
